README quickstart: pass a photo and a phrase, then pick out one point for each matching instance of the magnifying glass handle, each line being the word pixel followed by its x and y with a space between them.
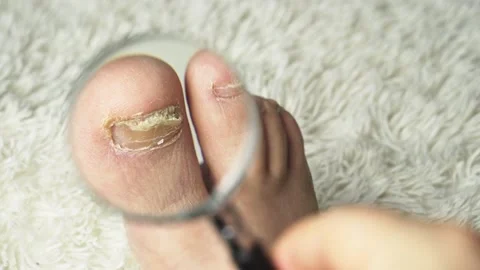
pixel 253 258
pixel 256 260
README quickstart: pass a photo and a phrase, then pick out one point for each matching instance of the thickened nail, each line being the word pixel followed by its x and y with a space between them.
pixel 146 132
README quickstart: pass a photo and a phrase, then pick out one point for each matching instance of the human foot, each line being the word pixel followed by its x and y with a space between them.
pixel 139 175
pixel 278 188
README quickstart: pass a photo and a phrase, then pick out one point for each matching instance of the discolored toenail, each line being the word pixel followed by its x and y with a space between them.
pixel 230 90
pixel 145 131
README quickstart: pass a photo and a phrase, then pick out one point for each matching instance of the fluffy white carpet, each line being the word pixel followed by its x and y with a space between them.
pixel 386 92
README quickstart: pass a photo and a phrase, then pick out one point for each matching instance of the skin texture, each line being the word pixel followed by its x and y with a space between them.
pixel 363 238
pixel 129 168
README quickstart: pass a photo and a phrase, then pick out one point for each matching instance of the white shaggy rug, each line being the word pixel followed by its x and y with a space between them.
pixel 387 94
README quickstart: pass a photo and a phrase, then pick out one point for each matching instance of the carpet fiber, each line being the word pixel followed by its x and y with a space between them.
pixel 386 93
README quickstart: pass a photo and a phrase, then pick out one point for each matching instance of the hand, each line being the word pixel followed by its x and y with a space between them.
pixel 358 238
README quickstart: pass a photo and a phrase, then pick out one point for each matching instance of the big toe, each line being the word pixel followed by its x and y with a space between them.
pixel 133 145
pixel 131 139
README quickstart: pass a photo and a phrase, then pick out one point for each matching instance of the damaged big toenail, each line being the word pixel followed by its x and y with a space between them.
pixel 146 131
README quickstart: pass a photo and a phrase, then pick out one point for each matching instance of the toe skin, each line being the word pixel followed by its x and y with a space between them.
pixel 274 194
pixel 143 181
pixel 157 180
pixel 218 107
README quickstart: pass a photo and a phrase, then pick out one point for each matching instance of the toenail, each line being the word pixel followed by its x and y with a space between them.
pixel 271 105
pixel 230 90
pixel 146 131
pixel 278 108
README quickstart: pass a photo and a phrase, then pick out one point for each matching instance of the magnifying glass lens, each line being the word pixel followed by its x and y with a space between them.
pixel 175 129
pixel 165 131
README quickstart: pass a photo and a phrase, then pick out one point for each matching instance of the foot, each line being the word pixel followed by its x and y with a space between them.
pixel 133 145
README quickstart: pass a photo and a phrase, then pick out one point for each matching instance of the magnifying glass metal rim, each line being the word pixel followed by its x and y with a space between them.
pixel 230 182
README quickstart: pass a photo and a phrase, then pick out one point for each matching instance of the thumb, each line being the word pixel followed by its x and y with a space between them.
pixel 324 241
pixel 363 238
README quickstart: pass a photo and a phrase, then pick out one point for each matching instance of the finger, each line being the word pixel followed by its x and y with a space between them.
pixel 363 238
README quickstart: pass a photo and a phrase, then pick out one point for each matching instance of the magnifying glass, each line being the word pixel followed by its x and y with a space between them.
pixel 220 205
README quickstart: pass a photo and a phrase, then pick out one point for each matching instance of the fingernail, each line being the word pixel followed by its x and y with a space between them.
pixel 146 132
